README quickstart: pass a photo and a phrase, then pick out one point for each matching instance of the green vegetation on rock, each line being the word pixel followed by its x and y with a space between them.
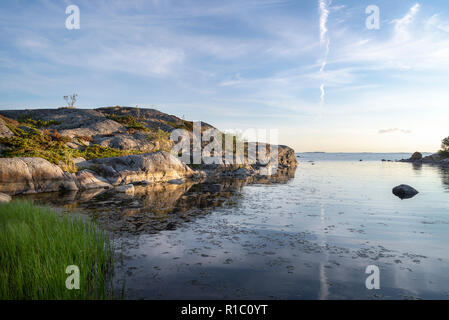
pixel 37 123
pixel 35 143
pixel 128 121
pixel 36 247
pixel 186 125
pixel 95 151
pixel 50 145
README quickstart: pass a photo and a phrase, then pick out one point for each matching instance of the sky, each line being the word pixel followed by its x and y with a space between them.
pixel 310 69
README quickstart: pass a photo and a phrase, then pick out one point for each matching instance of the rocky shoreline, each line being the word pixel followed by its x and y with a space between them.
pixel 433 159
pixel 59 141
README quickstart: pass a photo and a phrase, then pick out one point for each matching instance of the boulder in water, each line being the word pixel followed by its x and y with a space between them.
pixel 404 191
pixel 416 156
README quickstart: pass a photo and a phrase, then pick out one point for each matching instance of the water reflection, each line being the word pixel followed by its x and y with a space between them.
pixel 444 173
pixel 157 207
pixel 306 239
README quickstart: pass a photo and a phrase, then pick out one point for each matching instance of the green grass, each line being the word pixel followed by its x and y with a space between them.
pixel 37 245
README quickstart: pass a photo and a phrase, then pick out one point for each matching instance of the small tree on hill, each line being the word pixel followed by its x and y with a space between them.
pixel 71 100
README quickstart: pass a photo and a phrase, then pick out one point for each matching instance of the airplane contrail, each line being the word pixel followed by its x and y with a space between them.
pixel 324 40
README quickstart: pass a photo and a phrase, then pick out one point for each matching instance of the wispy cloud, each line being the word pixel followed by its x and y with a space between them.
pixel 324 40
pixel 393 130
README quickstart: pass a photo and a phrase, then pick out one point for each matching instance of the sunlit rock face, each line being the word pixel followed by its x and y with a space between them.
pixel 33 175
pixel 108 128
pixel 151 167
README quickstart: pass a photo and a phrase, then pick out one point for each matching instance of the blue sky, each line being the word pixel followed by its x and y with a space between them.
pixel 243 64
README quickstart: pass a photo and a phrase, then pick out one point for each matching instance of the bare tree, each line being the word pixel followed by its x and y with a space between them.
pixel 71 100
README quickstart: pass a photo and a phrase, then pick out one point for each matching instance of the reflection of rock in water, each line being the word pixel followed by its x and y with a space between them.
pixel 444 172
pixel 157 207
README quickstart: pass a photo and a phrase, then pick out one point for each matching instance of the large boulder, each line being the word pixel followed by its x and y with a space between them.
pixel 150 167
pixel 33 175
pixel 417 156
pixel 404 191
pixel 286 156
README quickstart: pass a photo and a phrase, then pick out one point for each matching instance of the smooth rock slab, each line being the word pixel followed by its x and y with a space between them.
pixel 150 167
pixel 33 175
pixel 404 191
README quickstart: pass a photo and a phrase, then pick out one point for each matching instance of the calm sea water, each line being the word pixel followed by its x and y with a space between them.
pixel 311 237
pixel 306 234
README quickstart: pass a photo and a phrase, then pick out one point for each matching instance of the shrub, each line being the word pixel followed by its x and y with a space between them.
pixel 445 147
pixel 161 138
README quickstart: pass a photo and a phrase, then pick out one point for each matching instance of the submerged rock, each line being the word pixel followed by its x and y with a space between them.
pixel 404 191
pixel 4 198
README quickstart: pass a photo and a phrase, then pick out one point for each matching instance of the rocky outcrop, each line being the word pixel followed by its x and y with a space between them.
pixel 126 129
pixel 33 175
pixel 150 167
pixel 416 156
pixel 287 157
pixel 435 159
pixel 404 191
